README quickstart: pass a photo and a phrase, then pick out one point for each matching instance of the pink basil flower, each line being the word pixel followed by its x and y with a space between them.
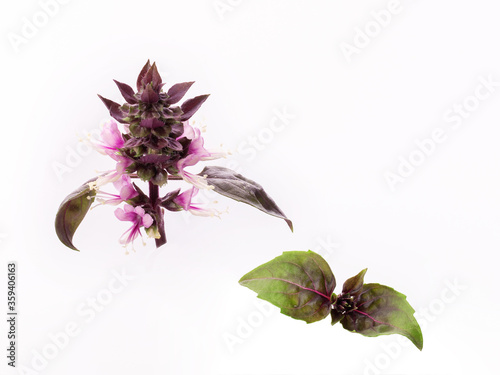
pixel 197 142
pixel 110 143
pixel 184 200
pixel 111 139
pixel 126 192
pixel 199 181
pixel 138 217
pixel 196 152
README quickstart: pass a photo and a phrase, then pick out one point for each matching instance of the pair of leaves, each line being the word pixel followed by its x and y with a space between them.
pixel 225 181
pixel 301 284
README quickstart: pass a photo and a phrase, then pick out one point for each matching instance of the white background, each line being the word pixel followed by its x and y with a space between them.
pixel 355 117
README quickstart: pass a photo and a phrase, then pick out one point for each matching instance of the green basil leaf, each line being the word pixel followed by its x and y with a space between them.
pixel 299 283
pixel 381 310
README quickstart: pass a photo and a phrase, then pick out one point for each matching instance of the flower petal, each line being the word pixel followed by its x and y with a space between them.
pixel 147 220
pixel 184 199
pixel 128 208
pixel 123 215
pixel 128 192
pixel 139 211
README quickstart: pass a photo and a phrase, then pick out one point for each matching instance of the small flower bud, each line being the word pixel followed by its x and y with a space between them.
pixel 153 232
pixel 160 178
pixel 146 173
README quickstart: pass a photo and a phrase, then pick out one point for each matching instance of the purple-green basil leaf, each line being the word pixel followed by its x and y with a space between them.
pixel 336 316
pixel 71 213
pixel 300 283
pixel 143 72
pixel 127 92
pixel 381 310
pixel 177 92
pixel 190 106
pixel 233 185
pixel 355 283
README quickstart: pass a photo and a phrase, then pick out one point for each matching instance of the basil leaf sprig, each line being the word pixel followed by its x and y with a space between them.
pixel 301 284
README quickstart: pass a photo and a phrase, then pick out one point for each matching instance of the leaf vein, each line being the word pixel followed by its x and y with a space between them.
pixel 291 282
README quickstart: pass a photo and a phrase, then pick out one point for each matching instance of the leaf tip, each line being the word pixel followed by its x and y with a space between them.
pixel 418 340
pixel 243 280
